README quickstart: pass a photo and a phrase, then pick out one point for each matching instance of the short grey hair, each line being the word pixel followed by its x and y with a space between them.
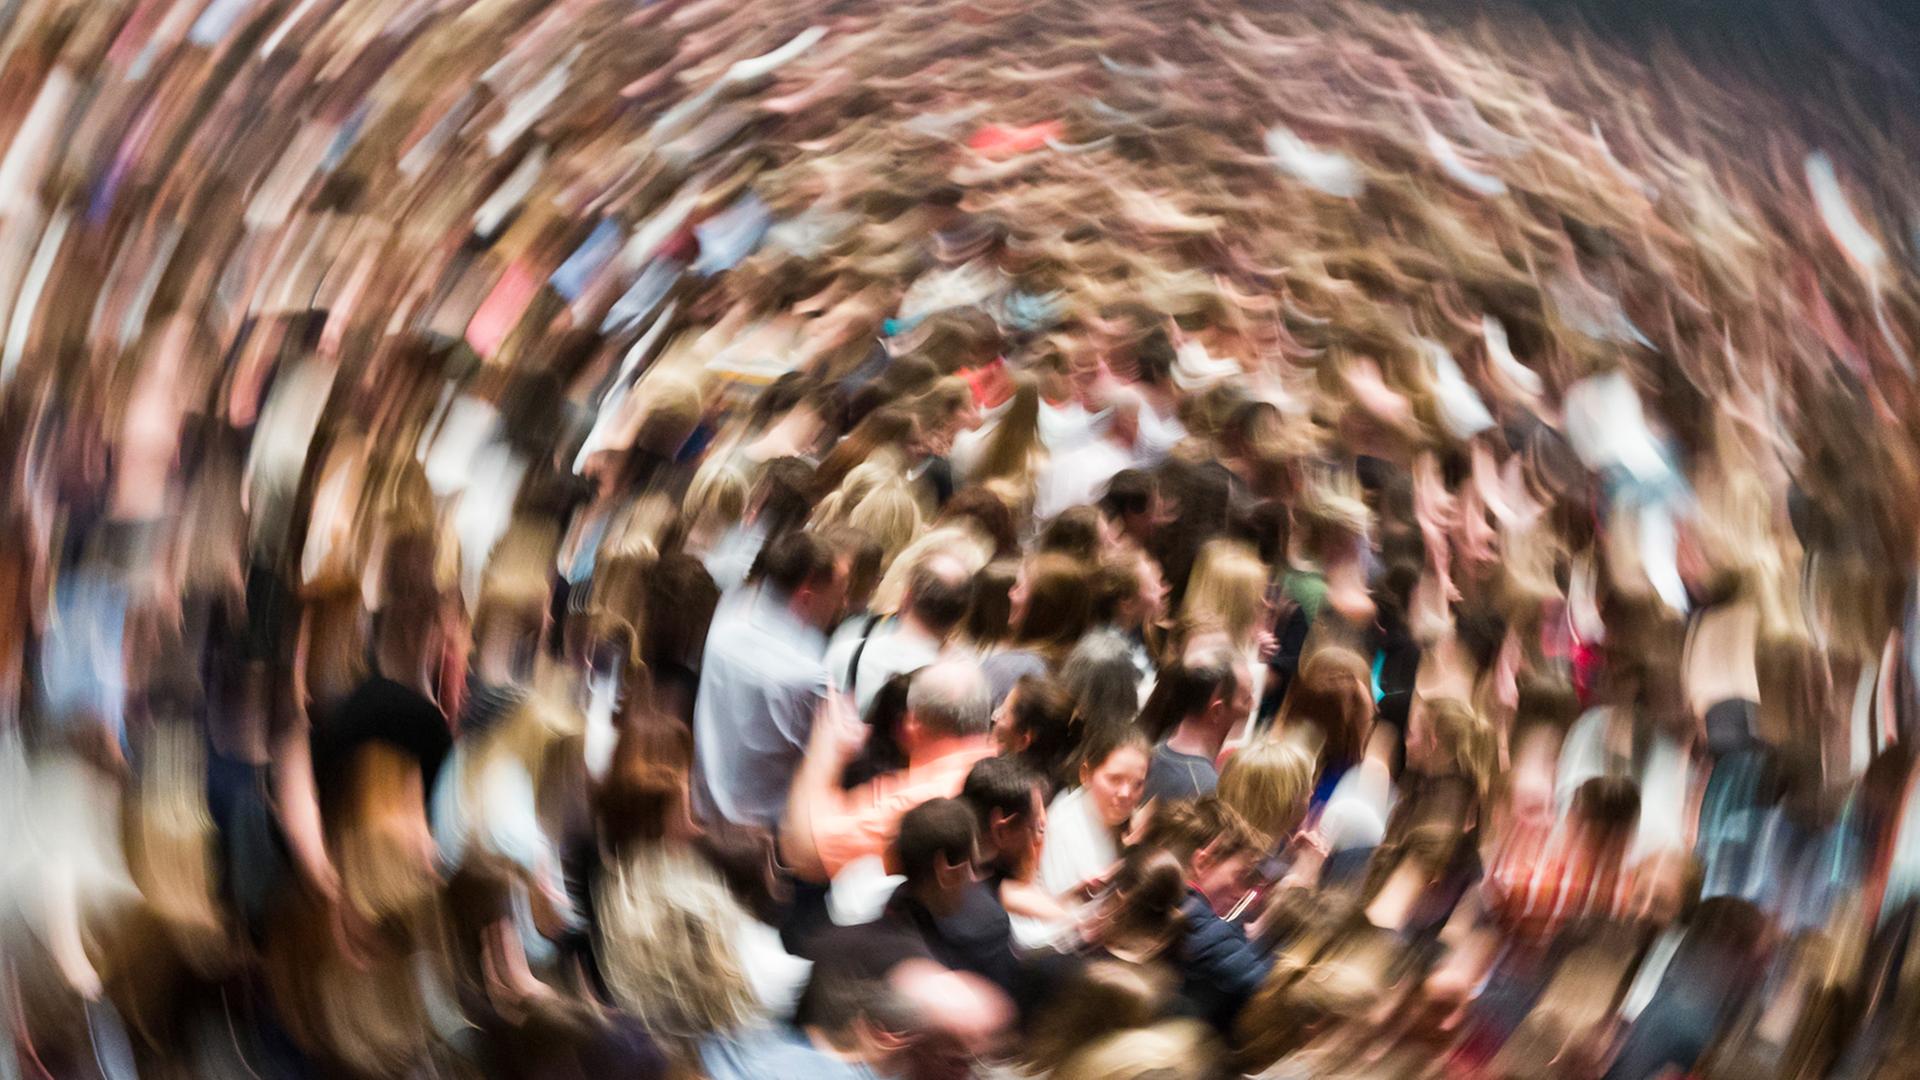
pixel 951 697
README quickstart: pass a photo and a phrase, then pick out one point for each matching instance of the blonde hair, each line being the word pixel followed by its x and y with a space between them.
pixel 382 875
pixel 890 515
pixel 1009 452
pixel 1175 1050
pixel 1269 782
pixel 876 501
pixel 717 498
pixel 1466 739
pixel 665 927
pixel 170 846
pixel 1227 591
pixel 1107 997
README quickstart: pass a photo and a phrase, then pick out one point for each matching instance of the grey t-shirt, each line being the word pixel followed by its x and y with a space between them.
pixel 1174 775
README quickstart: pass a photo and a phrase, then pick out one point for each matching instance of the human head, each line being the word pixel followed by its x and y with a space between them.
pixel 990 607
pixel 783 497
pixel 1212 689
pixel 935 849
pixel 1147 892
pixel 1051 603
pixel 890 514
pixel 1100 675
pixel 948 699
pixel 643 799
pixel 1447 738
pixel 1035 723
pixel 662 915
pixel 1213 843
pixel 1227 591
pixel 1008 453
pixel 889 427
pixel 938 591
pixel 1172 1050
pixel 1123 416
pixel 1130 591
pixel 1333 694
pixel 977 506
pixel 946 409
pixel 1130 503
pixel 1114 772
pixel 1078 531
pixel 1105 997
pixel 1268 783
pixel 801 568
pixel 1009 797
pixel 954 1018
pixel 1606 809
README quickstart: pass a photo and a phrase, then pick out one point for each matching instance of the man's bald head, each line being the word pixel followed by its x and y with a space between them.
pixel 950 698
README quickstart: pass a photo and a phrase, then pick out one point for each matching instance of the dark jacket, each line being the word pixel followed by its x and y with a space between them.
pixel 976 938
pixel 1219 968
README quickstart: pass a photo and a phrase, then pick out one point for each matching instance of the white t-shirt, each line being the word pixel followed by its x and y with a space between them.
pixel 891 650
pixel 1079 476
pixel 1079 845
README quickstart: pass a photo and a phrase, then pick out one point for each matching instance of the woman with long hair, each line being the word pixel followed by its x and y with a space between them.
pixel 1012 451
pixel 1331 696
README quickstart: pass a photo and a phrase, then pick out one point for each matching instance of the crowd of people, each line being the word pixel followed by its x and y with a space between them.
pixel 942 539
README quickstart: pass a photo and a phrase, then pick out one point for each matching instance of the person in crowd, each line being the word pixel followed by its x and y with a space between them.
pixel 946 731
pixel 745 561
pixel 1100 674
pixel 1078 475
pixel 1035 723
pixel 1087 824
pixel 763 677
pixel 1220 969
pixel 864 659
pixel 1011 800
pixel 1209 694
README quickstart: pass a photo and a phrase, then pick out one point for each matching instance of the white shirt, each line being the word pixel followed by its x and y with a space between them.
pixel 1064 427
pixel 1665 780
pixel 1079 476
pixel 1158 435
pixel 1079 845
pixel 892 649
pixel 762 679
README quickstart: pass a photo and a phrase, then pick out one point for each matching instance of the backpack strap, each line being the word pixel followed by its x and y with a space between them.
pixel 853 663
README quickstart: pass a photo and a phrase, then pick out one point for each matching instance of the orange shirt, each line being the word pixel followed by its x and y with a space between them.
pixel 865 819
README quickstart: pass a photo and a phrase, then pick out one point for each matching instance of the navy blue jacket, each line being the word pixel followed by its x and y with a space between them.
pixel 1219 968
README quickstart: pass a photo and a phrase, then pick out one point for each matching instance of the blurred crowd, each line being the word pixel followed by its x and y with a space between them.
pixel 949 538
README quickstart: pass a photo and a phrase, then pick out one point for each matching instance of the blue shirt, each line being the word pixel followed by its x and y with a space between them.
pixel 763 677
pixel 760 1053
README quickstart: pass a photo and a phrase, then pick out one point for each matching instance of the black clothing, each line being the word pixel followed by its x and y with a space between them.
pixel 378 711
